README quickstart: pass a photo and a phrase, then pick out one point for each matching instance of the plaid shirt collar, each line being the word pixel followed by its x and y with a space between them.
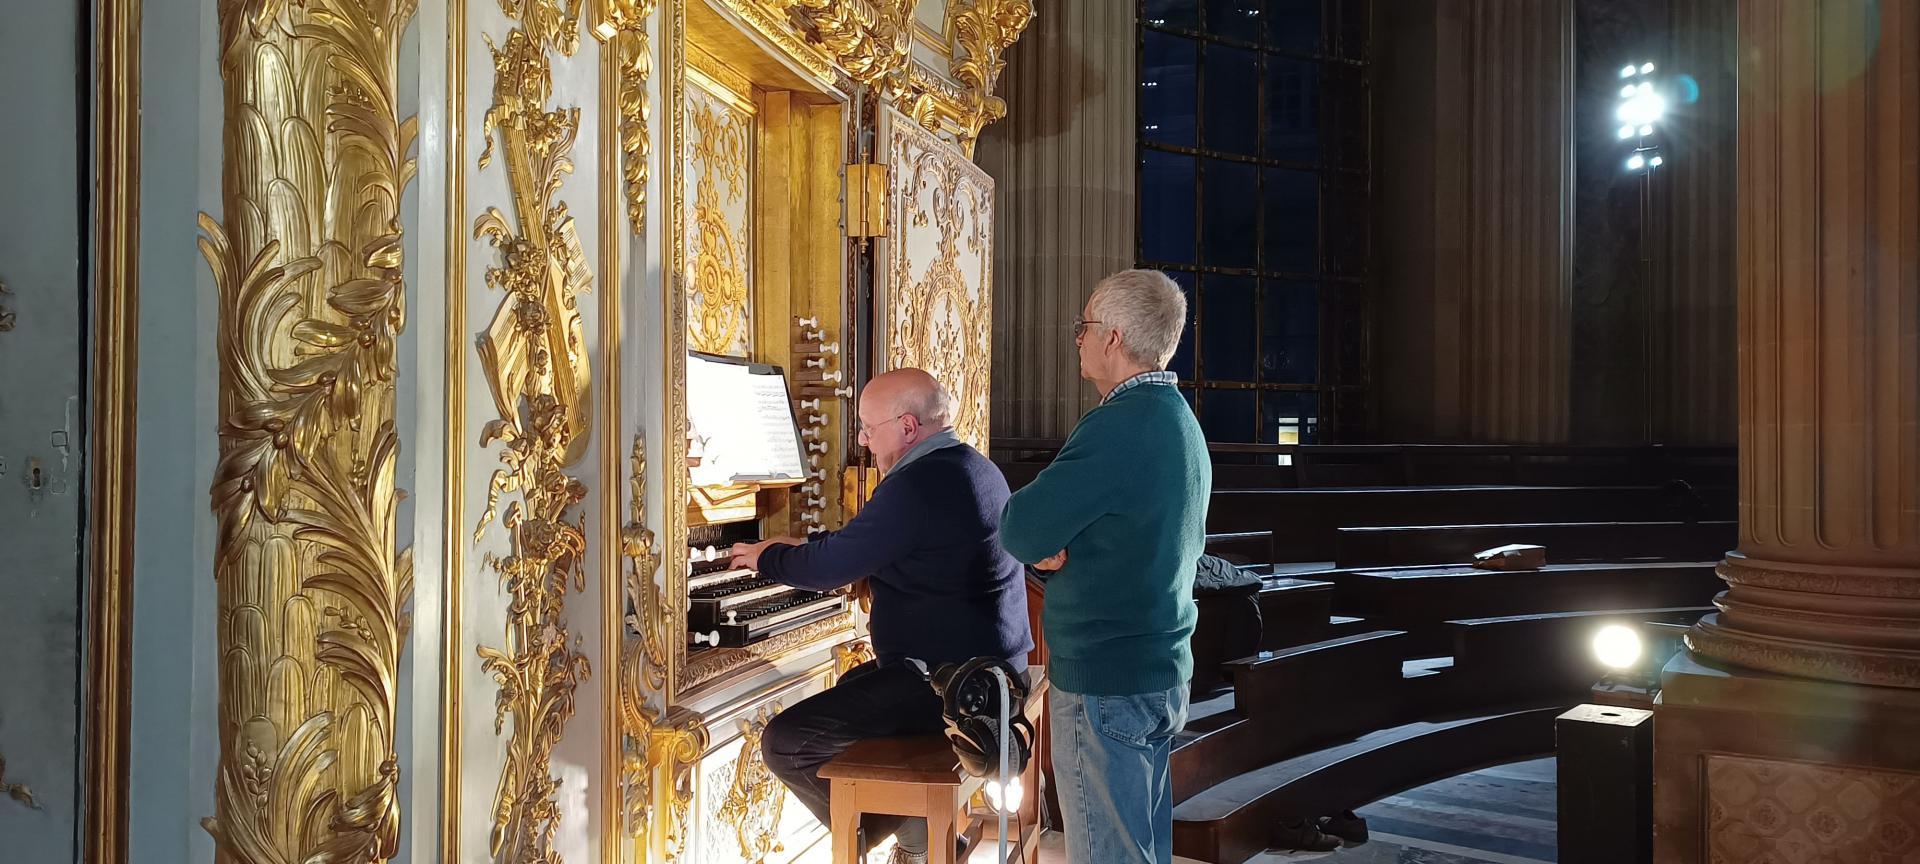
pixel 1160 376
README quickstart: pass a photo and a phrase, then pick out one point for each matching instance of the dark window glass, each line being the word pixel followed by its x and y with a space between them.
pixel 1166 207
pixel 1184 14
pixel 1293 25
pixel 1230 198
pixel 1182 362
pixel 1231 322
pixel 1233 100
pixel 1234 19
pixel 1289 333
pixel 1288 417
pixel 1228 415
pixel 1293 109
pixel 1292 233
pixel 1168 88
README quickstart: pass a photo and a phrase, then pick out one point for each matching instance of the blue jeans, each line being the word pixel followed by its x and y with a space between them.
pixel 1110 770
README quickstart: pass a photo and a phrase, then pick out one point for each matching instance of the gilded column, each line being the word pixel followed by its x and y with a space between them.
pixel 308 264
pixel 1790 723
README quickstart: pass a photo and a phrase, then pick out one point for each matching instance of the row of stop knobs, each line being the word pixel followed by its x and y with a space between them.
pixel 815 377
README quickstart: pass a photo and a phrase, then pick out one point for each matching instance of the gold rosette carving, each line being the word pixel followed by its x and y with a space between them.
pixel 308 267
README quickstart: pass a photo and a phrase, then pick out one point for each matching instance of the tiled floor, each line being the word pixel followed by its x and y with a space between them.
pixel 1502 815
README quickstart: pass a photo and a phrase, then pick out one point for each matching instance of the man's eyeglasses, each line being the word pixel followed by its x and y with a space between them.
pixel 1080 327
pixel 866 431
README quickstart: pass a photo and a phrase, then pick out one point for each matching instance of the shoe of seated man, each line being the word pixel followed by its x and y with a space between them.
pixel 1303 836
pixel 1351 829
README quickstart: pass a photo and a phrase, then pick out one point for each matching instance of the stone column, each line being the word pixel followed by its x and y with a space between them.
pixel 1793 721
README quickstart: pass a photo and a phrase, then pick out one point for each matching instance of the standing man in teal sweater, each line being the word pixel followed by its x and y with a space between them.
pixel 1119 519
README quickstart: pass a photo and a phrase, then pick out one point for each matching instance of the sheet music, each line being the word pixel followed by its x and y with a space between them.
pixel 741 424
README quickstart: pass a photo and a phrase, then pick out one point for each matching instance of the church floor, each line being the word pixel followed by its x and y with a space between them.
pixel 1500 815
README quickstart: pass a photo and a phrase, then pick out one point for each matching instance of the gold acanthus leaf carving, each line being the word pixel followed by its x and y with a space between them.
pixel 871 40
pixel 847 655
pixel 752 803
pixel 311 302
pixel 983 30
pixel 643 656
pixel 635 58
pixel 718 315
pixel 534 357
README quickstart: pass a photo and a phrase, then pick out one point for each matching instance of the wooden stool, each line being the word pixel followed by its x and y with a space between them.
pixel 918 775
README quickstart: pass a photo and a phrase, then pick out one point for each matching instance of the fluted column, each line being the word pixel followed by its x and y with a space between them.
pixel 1807 683
pixel 1826 582
pixel 1063 165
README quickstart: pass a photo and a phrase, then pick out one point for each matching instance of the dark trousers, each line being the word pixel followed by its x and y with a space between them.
pixel 870 701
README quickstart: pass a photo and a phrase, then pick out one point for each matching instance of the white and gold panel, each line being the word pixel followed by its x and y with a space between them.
pixel 720 129
pixel 936 300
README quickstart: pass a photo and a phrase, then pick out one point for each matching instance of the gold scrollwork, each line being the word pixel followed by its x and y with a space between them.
pixel 752 803
pixel 311 302
pixel 718 315
pixel 534 357
pixel 937 320
pixel 982 29
pixel 850 654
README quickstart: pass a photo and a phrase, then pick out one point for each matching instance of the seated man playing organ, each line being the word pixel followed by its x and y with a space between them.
pixel 944 591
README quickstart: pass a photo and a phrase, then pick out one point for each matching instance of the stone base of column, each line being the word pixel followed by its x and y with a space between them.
pixel 1753 766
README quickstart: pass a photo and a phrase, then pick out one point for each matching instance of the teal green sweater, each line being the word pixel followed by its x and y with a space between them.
pixel 1127 499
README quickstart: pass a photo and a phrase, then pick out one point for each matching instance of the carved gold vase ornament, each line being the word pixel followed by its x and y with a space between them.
pixel 308 267
pixel 534 357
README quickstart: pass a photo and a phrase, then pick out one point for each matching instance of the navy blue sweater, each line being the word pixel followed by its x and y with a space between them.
pixel 943 589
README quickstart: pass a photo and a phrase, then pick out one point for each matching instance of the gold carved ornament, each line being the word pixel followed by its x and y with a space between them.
pixel 752 803
pixel 983 29
pixel 628 21
pixel 308 269
pixel 936 321
pixel 654 742
pixel 871 39
pixel 718 314
pixel 534 358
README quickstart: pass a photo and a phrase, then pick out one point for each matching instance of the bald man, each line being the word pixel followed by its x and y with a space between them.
pixel 944 591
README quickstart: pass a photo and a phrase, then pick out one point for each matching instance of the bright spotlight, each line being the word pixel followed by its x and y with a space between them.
pixel 1627 92
pixel 1645 131
pixel 1645 87
pixel 1626 71
pixel 1656 161
pixel 1636 162
pixel 1646 68
pixel 1643 109
pixel 1626 132
pixel 1617 645
pixel 1012 797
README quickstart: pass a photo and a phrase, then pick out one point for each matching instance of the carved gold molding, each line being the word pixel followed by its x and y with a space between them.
pixel 534 358
pixel 751 807
pixel 715 663
pixel 627 19
pixel 850 654
pixel 113 372
pixel 673 296
pixel 770 24
pixel 308 265
pixel 983 29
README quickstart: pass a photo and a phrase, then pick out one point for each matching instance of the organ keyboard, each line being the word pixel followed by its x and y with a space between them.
pixel 733 607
